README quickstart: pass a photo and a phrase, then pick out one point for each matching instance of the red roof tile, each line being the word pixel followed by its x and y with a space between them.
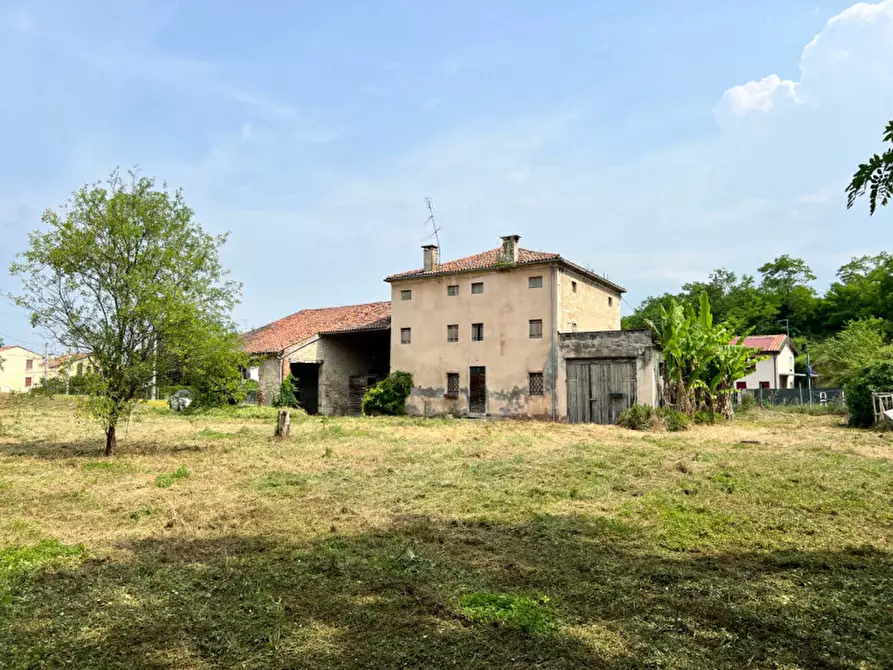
pixel 281 334
pixel 492 259
pixel 764 342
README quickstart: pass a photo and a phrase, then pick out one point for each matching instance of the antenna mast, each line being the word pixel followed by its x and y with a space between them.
pixel 435 229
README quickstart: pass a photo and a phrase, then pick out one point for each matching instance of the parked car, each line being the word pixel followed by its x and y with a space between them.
pixel 180 400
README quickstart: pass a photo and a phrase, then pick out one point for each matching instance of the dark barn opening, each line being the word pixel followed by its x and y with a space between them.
pixel 353 362
pixel 308 385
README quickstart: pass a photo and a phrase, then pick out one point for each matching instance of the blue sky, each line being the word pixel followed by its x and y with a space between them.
pixel 650 141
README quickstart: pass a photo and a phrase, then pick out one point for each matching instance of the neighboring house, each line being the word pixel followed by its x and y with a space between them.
pixel 70 365
pixel 22 369
pixel 776 371
pixel 514 332
pixel 336 353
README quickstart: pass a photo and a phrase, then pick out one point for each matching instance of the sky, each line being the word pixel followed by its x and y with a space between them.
pixel 650 141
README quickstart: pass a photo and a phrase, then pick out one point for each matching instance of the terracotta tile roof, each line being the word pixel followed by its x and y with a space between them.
pixel 491 259
pixel 64 358
pixel 276 336
pixel 765 343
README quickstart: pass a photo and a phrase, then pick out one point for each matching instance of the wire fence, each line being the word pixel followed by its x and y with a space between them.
pixel 797 396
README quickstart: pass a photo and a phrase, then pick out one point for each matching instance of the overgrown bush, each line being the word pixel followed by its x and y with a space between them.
pixel 388 397
pixel 288 393
pixel 876 378
pixel 705 417
pixel 748 403
pixel 645 417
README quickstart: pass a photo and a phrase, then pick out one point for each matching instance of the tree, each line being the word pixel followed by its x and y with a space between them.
pixel 126 273
pixel 874 177
pixel 861 343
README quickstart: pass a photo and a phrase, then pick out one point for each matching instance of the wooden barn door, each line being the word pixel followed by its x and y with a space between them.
pixel 477 390
pixel 599 390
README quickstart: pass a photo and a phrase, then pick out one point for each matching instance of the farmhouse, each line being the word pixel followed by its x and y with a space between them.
pixel 508 332
pixel 20 369
pixel 776 371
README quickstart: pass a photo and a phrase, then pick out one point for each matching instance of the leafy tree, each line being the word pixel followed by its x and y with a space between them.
pixel 874 177
pixel 288 393
pixel 861 343
pixel 875 378
pixel 126 273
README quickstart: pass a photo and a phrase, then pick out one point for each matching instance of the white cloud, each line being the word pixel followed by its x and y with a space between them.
pixel 759 96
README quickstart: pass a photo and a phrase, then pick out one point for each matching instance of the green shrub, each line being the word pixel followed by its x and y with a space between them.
pixel 748 403
pixel 288 393
pixel 167 480
pixel 388 397
pixel 876 378
pixel 703 417
pixel 637 417
pixel 674 421
pixel 531 615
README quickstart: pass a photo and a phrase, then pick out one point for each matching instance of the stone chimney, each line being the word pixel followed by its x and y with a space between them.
pixel 510 249
pixel 432 257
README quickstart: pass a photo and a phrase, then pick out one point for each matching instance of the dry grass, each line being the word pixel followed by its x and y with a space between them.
pixel 361 543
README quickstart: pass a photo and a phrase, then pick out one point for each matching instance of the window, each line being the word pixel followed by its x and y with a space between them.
pixel 405 335
pixel 764 385
pixel 741 385
pixel 27 381
pixel 452 385
pixel 477 287
pixel 574 286
pixel 535 282
pixel 477 332
pixel 610 301
pixel 80 368
pixel 406 294
pixel 453 289
pixel 29 364
pixel 535 383
pixel 453 332
pixel 536 329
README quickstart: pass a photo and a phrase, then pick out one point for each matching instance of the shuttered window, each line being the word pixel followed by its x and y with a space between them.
pixel 453 289
pixel 406 294
pixel 405 335
pixel 477 332
pixel 453 332
pixel 536 329
pixel 477 287
pixel 535 282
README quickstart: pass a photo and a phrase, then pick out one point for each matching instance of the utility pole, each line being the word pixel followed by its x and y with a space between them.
pixel 46 362
pixel 809 378
pixel 155 370
pixel 787 326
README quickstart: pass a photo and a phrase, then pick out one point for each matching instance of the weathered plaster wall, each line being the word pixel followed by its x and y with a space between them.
pixel 628 344
pixel 505 308
pixel 268 379
pixel 592 307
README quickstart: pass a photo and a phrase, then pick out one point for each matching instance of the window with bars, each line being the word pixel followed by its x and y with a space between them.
pixel 405 335
pixel 535 282
pixel 535 383
pixel 477 332
pixel 453 332
pixel 536 329
pixel 406 294
pixel 452 385
pixel 453 289
pixel 477 287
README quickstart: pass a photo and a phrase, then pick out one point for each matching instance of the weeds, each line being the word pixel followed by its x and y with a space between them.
pixel 165 481
pixel 531 615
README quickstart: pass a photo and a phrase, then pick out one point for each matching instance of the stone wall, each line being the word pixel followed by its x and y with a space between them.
pixel 268 380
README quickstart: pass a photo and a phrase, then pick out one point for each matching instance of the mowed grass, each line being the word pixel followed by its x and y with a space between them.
pixel 388 543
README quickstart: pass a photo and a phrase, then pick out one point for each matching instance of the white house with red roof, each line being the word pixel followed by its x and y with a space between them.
pixel 20 369
pixel 776 370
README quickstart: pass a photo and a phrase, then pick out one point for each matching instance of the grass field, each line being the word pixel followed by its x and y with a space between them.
pixel 388 543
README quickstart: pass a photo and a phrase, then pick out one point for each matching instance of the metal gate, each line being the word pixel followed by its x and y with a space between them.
pixel 599 390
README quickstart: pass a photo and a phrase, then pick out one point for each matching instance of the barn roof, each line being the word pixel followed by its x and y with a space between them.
pixel 767 343
pixel 276 336
pixel 493 259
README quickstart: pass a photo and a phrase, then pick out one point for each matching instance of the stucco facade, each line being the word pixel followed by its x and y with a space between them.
pixel 776 371
pixel 557 297
pixel 21 370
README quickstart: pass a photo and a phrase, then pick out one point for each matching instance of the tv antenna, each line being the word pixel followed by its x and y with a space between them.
pixel 435 229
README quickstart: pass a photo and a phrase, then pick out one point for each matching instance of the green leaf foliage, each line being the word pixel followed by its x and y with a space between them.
pixel 874 177
pixel 388 397
pixel 124 272
pixel 861 343
pixel 288 393
pixel 875 378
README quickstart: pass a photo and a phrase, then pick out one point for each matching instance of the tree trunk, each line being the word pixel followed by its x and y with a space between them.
pixel 111 440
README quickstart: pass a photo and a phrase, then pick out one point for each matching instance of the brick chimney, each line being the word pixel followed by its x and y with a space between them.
pixel 432 257
pixel 510 248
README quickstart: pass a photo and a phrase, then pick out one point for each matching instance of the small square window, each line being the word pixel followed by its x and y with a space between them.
pixel 535 383
pixel 536 329
pixel 477 287
pixel 453 289
pixel 453 332
pixel 29 364
pixel 477 332
pixel 535 282
pixel 610 301
pixel 27 381
pixel 574 286
pixel 452 385
pixel 740 385
pixel 406 294
pixel 405 335
pixel 764 385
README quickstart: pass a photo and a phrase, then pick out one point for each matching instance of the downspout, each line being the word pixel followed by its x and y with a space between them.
pixel 553 354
